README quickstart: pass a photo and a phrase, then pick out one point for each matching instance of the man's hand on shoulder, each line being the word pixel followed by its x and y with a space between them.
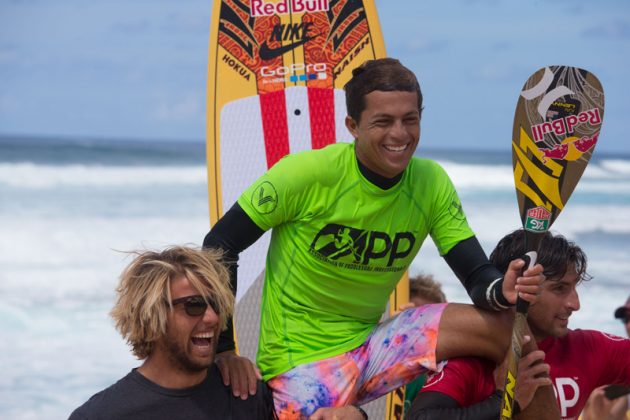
pixel 238 372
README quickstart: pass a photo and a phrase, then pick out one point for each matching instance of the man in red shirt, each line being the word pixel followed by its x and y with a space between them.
pixel 578 361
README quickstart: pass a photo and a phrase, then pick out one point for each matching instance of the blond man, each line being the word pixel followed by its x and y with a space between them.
pixel 170 308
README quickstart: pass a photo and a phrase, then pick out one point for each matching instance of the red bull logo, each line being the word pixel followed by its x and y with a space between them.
pixel 566 125
pixel 283 7
pixel 571 148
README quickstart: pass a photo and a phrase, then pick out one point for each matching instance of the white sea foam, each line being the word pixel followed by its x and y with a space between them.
pixel 617 166
pixel 35 176
pixel 480 176
pixel 477 176
pixel 608 176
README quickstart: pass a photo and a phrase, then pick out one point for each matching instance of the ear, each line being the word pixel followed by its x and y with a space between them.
pixel 352 126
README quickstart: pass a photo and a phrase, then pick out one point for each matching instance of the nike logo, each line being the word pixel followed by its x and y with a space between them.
pixel 267 53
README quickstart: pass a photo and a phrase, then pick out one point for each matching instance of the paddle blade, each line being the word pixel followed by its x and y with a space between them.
pixel 557 122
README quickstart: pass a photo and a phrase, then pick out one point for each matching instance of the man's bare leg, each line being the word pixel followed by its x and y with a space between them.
pixel 466 330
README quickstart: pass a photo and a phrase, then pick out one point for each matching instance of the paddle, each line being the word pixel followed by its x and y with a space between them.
pixel 556 126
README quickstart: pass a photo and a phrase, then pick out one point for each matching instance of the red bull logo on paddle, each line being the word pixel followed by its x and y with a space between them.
pixel 566 125
pixel 570 149
pixel 537 219
pixel 283 7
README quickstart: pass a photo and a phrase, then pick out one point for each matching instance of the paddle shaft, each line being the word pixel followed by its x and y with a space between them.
pixel 532 241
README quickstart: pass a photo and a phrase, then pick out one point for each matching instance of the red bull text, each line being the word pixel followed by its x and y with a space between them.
pixel 566 125
pixel 283 7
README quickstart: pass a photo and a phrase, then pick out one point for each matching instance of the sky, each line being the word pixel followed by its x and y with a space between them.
pixel 136 69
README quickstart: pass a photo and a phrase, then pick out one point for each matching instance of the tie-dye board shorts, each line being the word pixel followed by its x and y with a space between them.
pixel 397 351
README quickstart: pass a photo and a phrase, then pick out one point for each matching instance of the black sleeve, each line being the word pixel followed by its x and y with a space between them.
pixel 436 405
pixel 233 233
pixel 482 280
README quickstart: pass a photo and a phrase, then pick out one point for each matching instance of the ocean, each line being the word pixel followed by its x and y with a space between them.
pixel 69 209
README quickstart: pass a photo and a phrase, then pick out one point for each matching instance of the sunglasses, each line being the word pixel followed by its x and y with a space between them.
pixel 196 305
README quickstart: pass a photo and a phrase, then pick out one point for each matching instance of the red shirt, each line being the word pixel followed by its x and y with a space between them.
pixel 580 362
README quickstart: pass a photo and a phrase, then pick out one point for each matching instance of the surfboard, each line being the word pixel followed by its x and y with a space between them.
pixel 275 78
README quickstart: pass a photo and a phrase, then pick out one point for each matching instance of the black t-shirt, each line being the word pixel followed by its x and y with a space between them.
pixel 135 397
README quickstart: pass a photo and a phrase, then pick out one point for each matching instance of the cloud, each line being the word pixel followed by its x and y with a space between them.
pixel 188 108
pixel 423 45
pixel 501 46
pixel 496 73
pixel 483 2
pixel 131 28
pixel 5 103
pixel 617 29
pixel 191 22
pixel 7 55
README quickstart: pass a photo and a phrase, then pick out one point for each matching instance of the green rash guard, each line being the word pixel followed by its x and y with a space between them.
pixel 338 247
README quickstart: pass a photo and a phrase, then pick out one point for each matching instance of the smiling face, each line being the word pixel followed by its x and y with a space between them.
pixel 558 300
pixel 388 131
pixel 190 342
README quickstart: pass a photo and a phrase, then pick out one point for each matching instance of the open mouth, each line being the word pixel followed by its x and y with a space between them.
pixel 203 339
pixel 392 148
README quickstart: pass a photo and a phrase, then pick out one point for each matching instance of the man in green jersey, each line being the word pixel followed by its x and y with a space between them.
pixel 347 222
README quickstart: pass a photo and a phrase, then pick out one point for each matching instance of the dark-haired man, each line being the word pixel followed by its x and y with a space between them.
pixel 347 222
pixel 578 361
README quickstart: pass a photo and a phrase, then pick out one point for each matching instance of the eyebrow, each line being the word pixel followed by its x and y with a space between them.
pixel 386 115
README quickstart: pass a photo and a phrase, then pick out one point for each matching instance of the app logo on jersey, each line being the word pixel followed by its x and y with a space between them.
pixel 265 198
pixel 362 249
pixel 537 219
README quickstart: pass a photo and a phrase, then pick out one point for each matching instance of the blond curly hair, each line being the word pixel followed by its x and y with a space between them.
pixel 144 296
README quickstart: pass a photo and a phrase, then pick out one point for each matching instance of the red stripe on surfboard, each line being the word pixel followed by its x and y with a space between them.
pixel 321 107
pixel 273 108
